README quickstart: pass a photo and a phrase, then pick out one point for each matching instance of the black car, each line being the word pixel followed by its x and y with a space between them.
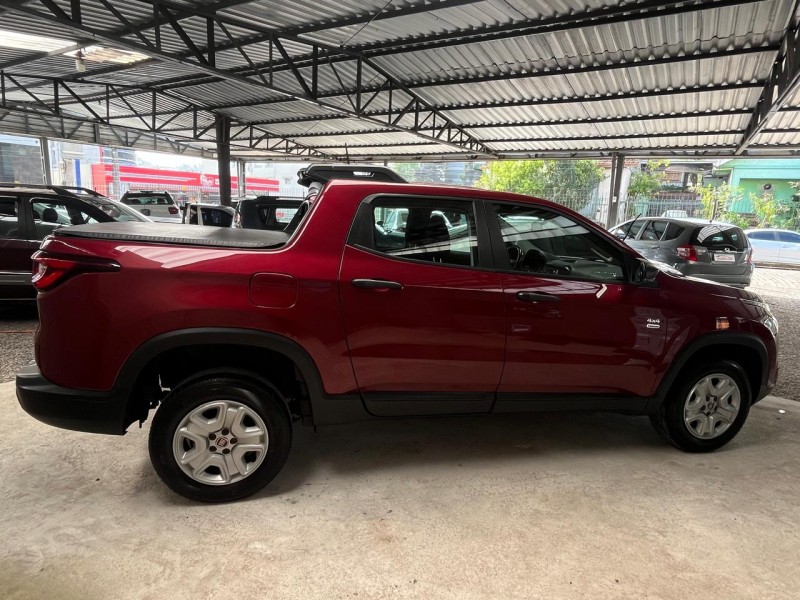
pixel 28 213
pixel 272 213
pixel 708 249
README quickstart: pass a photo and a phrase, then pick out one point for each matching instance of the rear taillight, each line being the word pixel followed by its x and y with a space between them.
pixel 51 270
pixel 749 256
pixel 687 252
pixel 173 210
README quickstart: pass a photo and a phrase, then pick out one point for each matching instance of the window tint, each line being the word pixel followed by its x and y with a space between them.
pixel 762 235
pixel 674 231
pixel 426 230
pixel 542 241
pixel 788 236
pixel 718 236
pixel 654 230
pixel 50 214
pixel 9 224
pixel 271 216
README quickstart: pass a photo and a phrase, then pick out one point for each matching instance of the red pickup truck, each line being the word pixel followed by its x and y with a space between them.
pixel 379 300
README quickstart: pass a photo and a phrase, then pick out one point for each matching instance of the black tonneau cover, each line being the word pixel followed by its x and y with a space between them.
pixel 183 235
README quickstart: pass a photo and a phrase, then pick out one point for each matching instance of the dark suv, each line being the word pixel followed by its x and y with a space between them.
pixel 711 250
pixel 28 213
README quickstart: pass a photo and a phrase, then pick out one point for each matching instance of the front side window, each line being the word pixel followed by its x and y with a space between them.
pixel 545 242
pixel 622 231
pixel 426 230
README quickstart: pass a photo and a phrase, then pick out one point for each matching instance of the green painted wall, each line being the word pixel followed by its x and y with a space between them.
pixel 752 175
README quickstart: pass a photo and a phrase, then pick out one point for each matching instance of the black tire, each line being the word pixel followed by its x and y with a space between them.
pixel 669 419
pixel 250 393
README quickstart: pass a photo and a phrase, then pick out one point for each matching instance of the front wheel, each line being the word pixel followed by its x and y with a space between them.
pixel 220 438
pixel 706 409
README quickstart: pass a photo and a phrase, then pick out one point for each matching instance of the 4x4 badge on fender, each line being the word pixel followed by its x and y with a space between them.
pixel 653 323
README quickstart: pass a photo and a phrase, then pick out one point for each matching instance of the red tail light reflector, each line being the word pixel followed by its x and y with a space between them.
pixel 687 252
pixel 173 210
pixel 51 270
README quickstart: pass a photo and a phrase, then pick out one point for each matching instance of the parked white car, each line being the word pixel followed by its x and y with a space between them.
pixel 776 246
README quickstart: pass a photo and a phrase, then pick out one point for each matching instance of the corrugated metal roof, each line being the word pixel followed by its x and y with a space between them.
pixel 523 76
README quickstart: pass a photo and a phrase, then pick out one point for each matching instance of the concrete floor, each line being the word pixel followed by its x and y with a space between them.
pixel 552 506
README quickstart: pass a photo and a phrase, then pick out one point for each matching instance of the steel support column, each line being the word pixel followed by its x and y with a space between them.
pixel 47 168
pixel 223 125
pixel 617 166
pixel 241 178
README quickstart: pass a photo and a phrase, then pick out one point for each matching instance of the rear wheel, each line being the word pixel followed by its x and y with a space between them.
pixel 220 438
pixel 706 409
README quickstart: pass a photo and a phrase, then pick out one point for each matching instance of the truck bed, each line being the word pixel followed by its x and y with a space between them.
pixel 182 235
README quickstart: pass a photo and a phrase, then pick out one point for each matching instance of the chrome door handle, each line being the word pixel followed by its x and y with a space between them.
pixel 536 297
pixel 377 284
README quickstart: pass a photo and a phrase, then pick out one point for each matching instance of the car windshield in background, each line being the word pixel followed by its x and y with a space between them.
pixel 718 236
pixel 115 210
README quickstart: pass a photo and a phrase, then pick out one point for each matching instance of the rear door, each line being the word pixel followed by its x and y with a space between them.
pixel 424 316
pixel 789 250
pixel 15 250
pixel 766 247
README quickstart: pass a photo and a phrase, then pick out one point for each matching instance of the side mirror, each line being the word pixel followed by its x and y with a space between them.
pixel 639 272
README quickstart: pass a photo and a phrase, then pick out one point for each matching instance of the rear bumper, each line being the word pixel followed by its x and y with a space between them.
pixel 68 408
pixel 742 280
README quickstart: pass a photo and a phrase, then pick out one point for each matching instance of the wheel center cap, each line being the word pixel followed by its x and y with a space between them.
pixel 221 442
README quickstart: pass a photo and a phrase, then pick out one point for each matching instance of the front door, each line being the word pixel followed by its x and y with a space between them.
pixel 424 319
pixel 576 329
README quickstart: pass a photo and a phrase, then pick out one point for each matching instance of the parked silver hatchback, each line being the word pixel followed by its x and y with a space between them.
pixel 711 250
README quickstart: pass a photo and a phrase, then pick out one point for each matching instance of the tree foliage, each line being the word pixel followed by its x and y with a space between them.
pixel 568 182
pixel 646 183
pixel 719 200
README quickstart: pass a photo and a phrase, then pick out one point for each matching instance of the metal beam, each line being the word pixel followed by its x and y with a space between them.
pixel 455 137
pixel 605 15
pixel 783 83
pixel 518 103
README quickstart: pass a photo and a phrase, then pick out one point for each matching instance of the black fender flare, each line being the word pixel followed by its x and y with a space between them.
pixel 139 358
pixel 708 340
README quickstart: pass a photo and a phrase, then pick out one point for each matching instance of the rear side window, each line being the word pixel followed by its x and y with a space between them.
pixel 51 213
pixel 674 231
pixel 762 235
pixel 426 230
pixel 654 231
pixel 715 236
pixel 788 236
pixel 276 215
pixel 9 223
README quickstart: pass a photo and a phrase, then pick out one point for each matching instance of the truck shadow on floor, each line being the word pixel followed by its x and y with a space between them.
pixel 544 441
